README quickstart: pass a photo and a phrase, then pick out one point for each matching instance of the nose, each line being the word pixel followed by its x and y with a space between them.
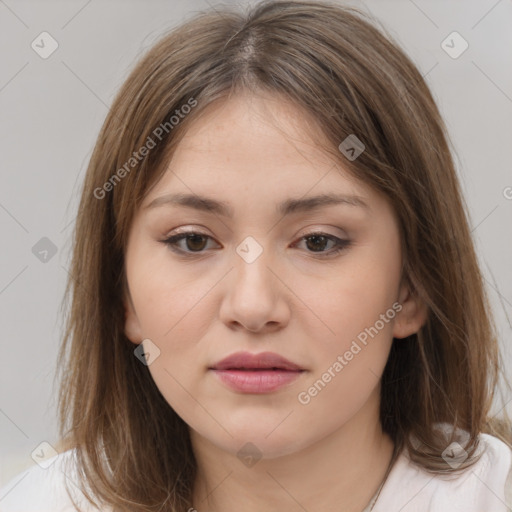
pixel 255 299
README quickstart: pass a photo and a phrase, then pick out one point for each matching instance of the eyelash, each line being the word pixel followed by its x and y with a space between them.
pixel 340 244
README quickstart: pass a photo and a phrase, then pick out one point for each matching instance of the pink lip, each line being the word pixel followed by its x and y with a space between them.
pixel 256 373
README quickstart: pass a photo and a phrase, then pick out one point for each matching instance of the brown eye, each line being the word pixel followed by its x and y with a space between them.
pixel 318 243
pixel 194 242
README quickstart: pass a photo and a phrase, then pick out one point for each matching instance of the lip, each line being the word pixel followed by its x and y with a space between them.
pixel 248 361
pixel 256 373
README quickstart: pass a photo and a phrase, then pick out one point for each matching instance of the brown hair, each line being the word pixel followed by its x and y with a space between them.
pixel 350 78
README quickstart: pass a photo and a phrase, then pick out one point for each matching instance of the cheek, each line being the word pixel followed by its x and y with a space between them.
pixel 168 298
pixel 352 298
pixel 356 307
pixel 348 368
pixel 175 313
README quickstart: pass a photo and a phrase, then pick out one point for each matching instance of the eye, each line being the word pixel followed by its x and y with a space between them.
pixel 318 241
pixel 196 243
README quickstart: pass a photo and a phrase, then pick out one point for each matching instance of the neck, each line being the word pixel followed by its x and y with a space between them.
pixel 338 473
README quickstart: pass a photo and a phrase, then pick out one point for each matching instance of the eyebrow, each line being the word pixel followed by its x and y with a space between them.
pixel 287 207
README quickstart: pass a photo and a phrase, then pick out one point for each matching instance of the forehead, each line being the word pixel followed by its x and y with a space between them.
pixel 248 120
pixel 262 143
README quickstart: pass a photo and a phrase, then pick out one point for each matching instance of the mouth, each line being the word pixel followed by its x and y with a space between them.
pixel 244 372
pixel 255 362
pixel 275 368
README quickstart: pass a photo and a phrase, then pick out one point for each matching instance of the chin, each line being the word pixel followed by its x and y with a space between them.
pixel 254 441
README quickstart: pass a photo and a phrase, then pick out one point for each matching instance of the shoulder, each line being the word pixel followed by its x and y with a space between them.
pixel 484 486
pixel 45 489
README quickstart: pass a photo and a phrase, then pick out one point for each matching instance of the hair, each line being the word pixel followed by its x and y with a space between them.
pixel 349 77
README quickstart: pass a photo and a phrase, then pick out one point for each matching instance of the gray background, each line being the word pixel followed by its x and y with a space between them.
pixel 51 112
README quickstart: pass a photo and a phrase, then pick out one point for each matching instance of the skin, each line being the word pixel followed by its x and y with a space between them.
pixel 254 151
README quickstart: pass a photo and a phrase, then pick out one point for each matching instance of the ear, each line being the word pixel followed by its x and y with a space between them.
pixel 413 314
pixel 132 327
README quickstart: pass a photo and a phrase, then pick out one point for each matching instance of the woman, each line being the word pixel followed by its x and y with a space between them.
pixel 276 302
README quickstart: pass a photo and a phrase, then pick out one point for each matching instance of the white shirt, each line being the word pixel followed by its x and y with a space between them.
pixel 484 487
pixel 39 489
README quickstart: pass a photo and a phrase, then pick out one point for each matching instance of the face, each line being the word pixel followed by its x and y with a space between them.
pixel 305 296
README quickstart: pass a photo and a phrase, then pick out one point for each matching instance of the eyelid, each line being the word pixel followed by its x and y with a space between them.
pixel 316 229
